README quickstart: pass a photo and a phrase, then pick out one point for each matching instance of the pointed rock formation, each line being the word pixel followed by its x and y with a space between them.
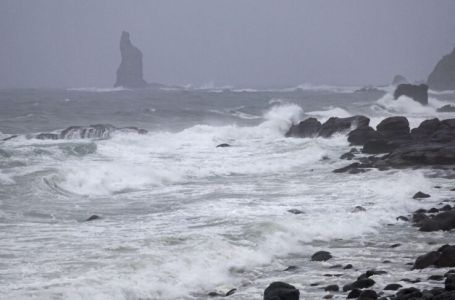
pixel 443 76
pixel 129 73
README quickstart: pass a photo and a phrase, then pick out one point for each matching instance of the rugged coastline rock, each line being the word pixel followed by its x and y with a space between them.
pixel 311 127
pixel 446 108
pixel 129 73
pixel 96 131
pixel 418 93
pixel 443 75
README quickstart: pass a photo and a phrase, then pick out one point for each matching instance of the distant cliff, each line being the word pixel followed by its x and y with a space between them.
pixel 129 73
pixel 443 76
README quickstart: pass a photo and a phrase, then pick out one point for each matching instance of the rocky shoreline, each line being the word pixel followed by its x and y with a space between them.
pixel 391 145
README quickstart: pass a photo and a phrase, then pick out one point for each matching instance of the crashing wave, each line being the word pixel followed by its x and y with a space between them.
pixel 97 131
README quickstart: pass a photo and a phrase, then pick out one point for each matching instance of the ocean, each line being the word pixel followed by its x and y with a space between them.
pixel 180 217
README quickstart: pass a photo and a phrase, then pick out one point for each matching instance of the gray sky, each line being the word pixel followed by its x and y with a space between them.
pixel 256 43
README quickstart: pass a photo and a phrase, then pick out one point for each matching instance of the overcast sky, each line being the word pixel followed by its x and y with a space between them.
pixel 256 43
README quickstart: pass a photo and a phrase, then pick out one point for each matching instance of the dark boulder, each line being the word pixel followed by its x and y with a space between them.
pixel 408 294
pixel 321 256
pixel 450 283
pixel 377 146
pixel 393 287
pixel 426 129
pixel 443 257
pixel 224 145
pixel 339 125
pixel 443 221
pixel 420 195
pixel 361 283
pixel 424 261
pixel 362 135
pixel 368 295
pixel 306 129
pixel 281 291
pixel 422 154
pixel 295 211
pixel 394 128
pixel 332 288
pixel 418 93
pixel 92 218
pixel 443 76
pixel 355 293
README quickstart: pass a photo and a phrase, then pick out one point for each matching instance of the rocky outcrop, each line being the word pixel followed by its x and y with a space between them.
pixel 399 79
pixel 443 76
pixel 418 93
pixel 443 257
pixel 311 127
pixel 97 131
pixel 129 73
pixel 306 129
pixel 281 291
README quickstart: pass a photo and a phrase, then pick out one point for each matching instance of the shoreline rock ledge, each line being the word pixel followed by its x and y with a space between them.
pixel 129 73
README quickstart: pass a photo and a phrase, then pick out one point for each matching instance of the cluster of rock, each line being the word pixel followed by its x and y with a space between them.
pixel 97 131
pixel 362 287
pixel 431 143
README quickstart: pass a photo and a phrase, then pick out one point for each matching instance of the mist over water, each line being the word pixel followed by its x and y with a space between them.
pixel 182 218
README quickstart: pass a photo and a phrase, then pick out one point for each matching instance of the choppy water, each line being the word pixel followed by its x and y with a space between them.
pixel 180 217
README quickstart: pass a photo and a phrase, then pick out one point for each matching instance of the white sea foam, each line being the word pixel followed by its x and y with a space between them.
pixel 99 89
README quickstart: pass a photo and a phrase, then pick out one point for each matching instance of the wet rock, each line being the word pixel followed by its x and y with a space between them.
pixel 295 211
pixel 347 267
pixel 368 295
pixel 436 277
pixel 424 261
pixel 395 245
pixel 47 136
pixel 361 283
pixel 443 257
pixel 393 287
pixel 446 108
pixel 358 209
pixel 9 138
pixel 281 291
pixel 446 207
pixel 328 296
pixel 321 256
pixel 408 294
pixel 362 135
pixel 347 156
pixel 355 293
pixel 291 268
pixel 332 288
pixel 433 210
pixel 418 93
pixel 354 168
pixel 224 145
pixel 306 129
pixel 420 195
pixel 449 283
pixel 338 125
pixel 402 218
pixel 92 218
pixel 129 73
pixel 443 75
pixel 395 128
pixel 443 221
pixel 379 146
pixel 230 292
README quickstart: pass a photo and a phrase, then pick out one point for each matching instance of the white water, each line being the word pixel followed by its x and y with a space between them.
pixel 182 217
